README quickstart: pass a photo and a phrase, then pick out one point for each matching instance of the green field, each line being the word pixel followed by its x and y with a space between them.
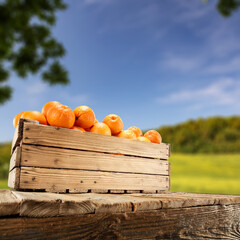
pixel 203 173
pixel 3 183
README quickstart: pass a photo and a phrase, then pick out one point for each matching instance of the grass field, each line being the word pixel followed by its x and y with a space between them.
pixel 203 173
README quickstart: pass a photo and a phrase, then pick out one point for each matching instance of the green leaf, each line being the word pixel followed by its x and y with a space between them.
pixel 5 93
pixel 56 74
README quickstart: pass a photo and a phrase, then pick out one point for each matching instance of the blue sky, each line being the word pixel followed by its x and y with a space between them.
pixel 151 62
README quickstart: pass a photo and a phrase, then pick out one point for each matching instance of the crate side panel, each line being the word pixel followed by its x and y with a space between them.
pixel 68 138
pixel 50 157
pixel 61 179
pixel 14 178
pixel 15 159
pixel 17 137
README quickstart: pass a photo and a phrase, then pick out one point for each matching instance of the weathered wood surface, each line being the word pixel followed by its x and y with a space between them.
pixel 38 134
pixel 61 179
pixel 9 204
pixel 42 204
pixel 47 157
pixel 36 215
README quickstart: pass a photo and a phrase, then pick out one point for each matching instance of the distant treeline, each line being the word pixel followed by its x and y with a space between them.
pixel 211 135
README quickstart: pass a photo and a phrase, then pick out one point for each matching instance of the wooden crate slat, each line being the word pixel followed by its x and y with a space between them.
pixel 38 134
pixel 45 178
pixel 40 156
pixel 14 178
pixel 15 158
pixel 18 134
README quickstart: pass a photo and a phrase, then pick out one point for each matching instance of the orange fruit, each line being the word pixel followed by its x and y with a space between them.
pixel 78 128
pixel 127 134
pixel 16 119
pixel 35 115
pixel 88 129
pixel 61 116
pixel 143 139
pixel 48 105
pixel 114 122
pixel 85 116
pixel 136 130
pixel 101 128
pixel 153 136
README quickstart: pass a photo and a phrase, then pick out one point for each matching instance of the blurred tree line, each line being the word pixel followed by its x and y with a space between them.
pixel 212 135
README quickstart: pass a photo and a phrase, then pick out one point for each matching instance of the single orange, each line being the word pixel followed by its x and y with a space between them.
pixel 101 128
pixel 61 116
pixel 48 105
pixel 136 130
pixel 127 134
pixel 143 139
pixel 35 115
pixel 85 116
pixel 153 136
pixel 114 122
pixel 16 119
pixel 78 128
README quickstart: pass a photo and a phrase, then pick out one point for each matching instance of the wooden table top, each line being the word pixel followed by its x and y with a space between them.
pixel 42 204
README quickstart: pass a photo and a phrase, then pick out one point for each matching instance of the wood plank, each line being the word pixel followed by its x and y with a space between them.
pixel 45 178
pixel 18 134
pixel 49 157
pixel 132 191
pixel 42 204
pixel 9 204
pixel 98 190
pixel 75 190
pixel 15 159
pixel 205 222
pixel 14 178
pixel 17 137
pixel 37 134
pixel 116 191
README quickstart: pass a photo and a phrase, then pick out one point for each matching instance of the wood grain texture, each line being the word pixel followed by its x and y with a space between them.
pixel 61 179
pixel 18 134
pixel 14 178
pixel 49 157
pixel 9 204
pixel 17 137
pixel 15 158
pixel 198 223
pixel 37 134
pixel 42 204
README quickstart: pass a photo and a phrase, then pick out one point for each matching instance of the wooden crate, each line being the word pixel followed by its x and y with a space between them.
pixel 56 159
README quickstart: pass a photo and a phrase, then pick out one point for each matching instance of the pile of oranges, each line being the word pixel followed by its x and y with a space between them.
pixel 83 118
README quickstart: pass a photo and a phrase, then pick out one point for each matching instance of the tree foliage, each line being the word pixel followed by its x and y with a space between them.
pixel 26 43
pixel 226 7
pixel 212 135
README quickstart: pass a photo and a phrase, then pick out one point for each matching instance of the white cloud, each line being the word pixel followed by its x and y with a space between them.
pixel 181 63
pixel 36 88
pixel 225 92
pixel 230 66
